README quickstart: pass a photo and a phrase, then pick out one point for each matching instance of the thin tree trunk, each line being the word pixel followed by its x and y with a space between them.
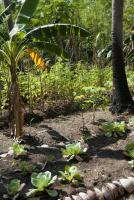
pixel 16 112
pixel 10 21
pixel 122 100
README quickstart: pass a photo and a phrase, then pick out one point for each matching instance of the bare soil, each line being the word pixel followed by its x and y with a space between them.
pixel 104 162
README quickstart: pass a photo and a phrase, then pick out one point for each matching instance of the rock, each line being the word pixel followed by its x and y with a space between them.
pixel 121 190
pixel 91 195
pixel 74 197
pixel 67 198
pixel 114 189
pixel 132 179
pixel 107 193
pixel 84 196
pixel 99 194
pixel 127 185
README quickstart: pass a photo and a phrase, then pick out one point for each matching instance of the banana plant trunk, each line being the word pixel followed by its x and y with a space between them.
pixel 122 99
pixel 15 111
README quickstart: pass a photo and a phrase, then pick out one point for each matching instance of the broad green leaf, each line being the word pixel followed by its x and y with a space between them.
pixel 56 30
pixel 130 149
pixel 26 12
pixel 13 187
pixel 6 12
pixel 52 193
pixel 50 48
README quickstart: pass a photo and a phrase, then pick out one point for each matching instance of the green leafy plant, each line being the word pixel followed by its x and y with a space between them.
pixel 25 167
pixel 114 128
pixel 72 150
pixel 42 181
pixel 18 149
pixel 70 175
pixel 14 187
pixel 129 149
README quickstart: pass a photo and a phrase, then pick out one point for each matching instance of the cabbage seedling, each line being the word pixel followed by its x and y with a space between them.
pixel 18 149
pixel 70 175
pixel 73 150
pixel 41 181
pixel 114 128
pixel 130 150
pixel 14 187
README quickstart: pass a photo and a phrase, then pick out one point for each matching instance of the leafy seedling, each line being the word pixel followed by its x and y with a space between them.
pixel 72 150
pixel 41 181
pixel 25 167
pixel 129 149
pixel 18 149
pixel 114 129
pixel 70 175
pixel 14 188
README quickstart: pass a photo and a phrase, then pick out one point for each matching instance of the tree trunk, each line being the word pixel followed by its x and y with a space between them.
pixel 122 100
pixel 10 21
pixel 16 113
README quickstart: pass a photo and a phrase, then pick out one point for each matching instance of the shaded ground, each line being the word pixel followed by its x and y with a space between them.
pixel 103 162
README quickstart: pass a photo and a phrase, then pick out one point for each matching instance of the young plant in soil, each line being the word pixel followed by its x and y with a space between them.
pixel 130 152
pixel 114 129
pixel 14 187
pixel 42 181
pixel 25 167
pixel 70 175
pixel 72 150
pixel 129 148
pixel 18 149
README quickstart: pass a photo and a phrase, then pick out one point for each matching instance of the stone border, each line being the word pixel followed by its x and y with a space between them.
pixel 111 191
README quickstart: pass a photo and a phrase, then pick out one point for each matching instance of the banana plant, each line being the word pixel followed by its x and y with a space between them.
pixel 20 40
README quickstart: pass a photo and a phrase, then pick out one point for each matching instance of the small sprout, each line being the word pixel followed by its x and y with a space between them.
pixel 41 181
pixel 130 150
pixel 114 129
pixel 73 150
pixel 18 149
pixel 14 187
pixel 70 175
pixel 25 167
pixel 131 163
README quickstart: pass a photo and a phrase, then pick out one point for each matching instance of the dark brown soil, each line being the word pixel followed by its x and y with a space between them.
pixel 104 161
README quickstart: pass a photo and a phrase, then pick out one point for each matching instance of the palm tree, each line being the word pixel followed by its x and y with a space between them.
pixel 122 100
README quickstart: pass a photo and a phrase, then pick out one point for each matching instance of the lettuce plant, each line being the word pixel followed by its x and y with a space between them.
pixel 18 149
pixel 25 167
pixel 73 150
pixel 130 150
pixel 70 174
pixel 41 181
pixel 14 187
pixel 114 128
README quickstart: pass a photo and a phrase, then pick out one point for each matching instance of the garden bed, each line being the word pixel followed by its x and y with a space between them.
pixel 104 161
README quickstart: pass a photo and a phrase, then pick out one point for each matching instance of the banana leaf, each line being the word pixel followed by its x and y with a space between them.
pixel 26 12
pixel 50 48
pixel 6 12
pixel 55 30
